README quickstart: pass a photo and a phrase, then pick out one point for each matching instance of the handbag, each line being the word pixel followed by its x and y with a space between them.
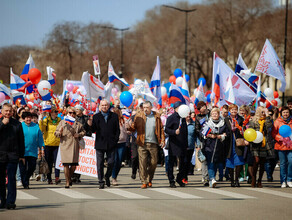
pixel 81 144
pixel 201 156
pixel 239 142
pixel 44 167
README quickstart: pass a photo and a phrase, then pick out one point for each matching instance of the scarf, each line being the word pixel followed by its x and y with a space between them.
pixel 215 125
pixel 287 120
pixel 262 123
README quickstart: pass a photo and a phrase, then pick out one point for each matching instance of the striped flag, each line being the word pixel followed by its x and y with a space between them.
pixel 200 95
pixel 155 84
pixel 112 76
pixel 206 130
pixel 5 90
pixel 47 108
pixel 51 75
pixel 175 95
pixel 29 65
pixel 69 120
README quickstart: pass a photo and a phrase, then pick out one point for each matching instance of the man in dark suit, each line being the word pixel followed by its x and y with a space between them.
pixel 177 130
pixel 106 125
pixel 11 152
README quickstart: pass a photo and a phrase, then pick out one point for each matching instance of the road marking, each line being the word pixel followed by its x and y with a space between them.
pixel 72 194
pixel 226 193
pixel 176 193
pixel 23 195
pixel 272 192
pixel 125 194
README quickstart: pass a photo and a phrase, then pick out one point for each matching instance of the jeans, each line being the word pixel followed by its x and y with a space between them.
pixel 270 167
pixel 51 153
pixel 212 169
pixel 26 170
pixel 120 151
pixel 285 157
pixel 11 186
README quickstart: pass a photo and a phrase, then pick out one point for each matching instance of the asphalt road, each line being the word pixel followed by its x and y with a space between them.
pixel 128 201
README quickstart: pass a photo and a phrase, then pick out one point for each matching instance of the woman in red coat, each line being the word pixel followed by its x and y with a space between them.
pixel 284 148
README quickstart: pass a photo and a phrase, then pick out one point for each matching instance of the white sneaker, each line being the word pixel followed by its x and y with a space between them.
pixel 289 184
pixel 212 183
pixel 284 185
pixel 115 182
pixel 19 183
pixel 38 177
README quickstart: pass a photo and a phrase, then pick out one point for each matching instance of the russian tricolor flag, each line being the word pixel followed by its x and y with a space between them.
pixel 200 95
pixel 206 130
pixel 51 75
pixel 155 85
pixel 126 114
pixel 29 65
pixel 47 108
pixel 15 81
pixel 18 95
pixel 5 90
pixel 69 120
pixel 185 91
pixel 216 89
pixel 112 76
pixel 175 95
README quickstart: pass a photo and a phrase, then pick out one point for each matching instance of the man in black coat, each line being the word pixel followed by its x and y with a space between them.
pixel 11 152
pixel 106 125
pixel 176 128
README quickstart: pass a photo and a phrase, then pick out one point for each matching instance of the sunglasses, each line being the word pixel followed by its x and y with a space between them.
pixel 74 113
pixel 55 111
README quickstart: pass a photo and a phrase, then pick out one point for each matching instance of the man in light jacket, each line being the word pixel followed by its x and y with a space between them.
pixel 150 134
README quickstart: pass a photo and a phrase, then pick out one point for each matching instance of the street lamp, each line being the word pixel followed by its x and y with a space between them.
pixel 122 47
pixel 285 46
pixel 186 11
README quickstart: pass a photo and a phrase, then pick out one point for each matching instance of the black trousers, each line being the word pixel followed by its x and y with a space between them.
pixel 134 158
pixel 26 170
pixel 110 154
pixel 189 165
pixel 182 168
pixel 11 187
pixel 51 153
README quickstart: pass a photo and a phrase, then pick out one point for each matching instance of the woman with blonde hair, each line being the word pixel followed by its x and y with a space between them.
pixel 121 146
pixel 263 123
pixel 48 125
pixel 70 133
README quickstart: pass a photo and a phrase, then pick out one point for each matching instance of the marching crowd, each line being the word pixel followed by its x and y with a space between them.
pixel 29 133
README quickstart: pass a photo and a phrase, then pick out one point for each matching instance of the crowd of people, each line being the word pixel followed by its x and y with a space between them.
pixel 29 133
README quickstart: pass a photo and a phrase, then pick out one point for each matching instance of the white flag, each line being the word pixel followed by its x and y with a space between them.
pixel 269 64
pixel 93 86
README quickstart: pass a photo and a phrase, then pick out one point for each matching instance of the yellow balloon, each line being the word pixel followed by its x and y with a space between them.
pixel 250 135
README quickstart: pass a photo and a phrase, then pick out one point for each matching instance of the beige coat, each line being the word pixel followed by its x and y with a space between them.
pixel 69 145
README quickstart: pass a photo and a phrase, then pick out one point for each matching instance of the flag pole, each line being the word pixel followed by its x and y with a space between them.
pixel 89 91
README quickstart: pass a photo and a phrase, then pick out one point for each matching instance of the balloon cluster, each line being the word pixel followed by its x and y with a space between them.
pixel 272 99
pixel 253 136
pixel 177 77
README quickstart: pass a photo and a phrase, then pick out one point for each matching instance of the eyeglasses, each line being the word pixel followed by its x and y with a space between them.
pixel 56 112
pixel 74 113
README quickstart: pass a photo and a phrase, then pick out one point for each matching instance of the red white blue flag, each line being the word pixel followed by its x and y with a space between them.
pixel 112 76
pixel 69 120
pixel 51 75
pixel 155 84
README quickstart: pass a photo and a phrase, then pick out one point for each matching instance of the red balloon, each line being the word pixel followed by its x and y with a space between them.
pixel 274 102
pixel 34 75
pixel 268 104
pixel 172 79
pixel 276 94
pixel 75 88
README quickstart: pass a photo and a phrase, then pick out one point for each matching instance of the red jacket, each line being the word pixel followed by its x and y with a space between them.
pixel 279 145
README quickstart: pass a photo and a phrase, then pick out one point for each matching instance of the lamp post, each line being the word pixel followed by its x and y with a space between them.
pixel 122 48
pixel 186 11
pixel 285 46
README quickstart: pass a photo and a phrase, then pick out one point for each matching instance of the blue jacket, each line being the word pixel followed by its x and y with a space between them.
pixel 191 135
pixel 33 138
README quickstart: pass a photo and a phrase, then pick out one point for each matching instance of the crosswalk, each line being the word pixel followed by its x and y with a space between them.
pixel 152 193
